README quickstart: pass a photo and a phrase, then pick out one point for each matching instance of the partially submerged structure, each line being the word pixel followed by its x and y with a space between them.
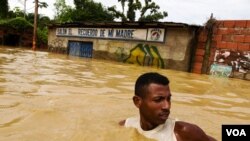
pixel 161 44
pixel 16 32
pixel 223 49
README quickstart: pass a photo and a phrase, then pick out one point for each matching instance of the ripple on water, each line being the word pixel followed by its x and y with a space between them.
pixel 64 85
pixel 237 112
pixel 12 105
pixel 201 81
pixel 10 112
pixel 116 76
pixel 11 122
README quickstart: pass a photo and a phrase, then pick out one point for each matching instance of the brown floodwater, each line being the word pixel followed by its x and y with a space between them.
pixel 54 97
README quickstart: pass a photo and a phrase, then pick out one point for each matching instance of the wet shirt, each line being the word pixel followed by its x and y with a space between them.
pixel 163 132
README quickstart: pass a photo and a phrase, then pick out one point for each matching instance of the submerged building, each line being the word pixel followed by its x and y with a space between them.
pixel 221 48
pixel 13 37
pixel 160 44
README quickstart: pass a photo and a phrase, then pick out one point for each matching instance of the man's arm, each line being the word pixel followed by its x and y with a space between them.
pixel 211 138
pixel 190 132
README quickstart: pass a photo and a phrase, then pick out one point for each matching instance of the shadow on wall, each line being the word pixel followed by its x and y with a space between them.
pixel 145 55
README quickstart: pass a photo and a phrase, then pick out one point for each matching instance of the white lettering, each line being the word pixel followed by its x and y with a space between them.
pixel 242 132
pixel 229 132
pixel 236 132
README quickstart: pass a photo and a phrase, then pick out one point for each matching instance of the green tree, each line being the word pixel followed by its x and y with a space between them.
pixel 18 23
pixel 85 10
pixel 18 12
pixel 4 9
pixel 43 21
pixel 63 11
pixel 123 4
pixel 88 10
pixel 149 12
pixel 42 4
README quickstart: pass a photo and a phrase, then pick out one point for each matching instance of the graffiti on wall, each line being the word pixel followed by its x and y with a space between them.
pixel 239 61
pixel 145 55
pixel 220 70
pixel 56 45
pixel 120 53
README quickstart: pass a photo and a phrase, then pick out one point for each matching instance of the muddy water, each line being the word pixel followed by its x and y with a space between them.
pixel 53 97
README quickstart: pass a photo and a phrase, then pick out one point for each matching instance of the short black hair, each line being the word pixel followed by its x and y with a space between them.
pixel 146 79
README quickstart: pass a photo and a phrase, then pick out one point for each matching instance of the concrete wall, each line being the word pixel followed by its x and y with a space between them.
pixel 174 53
pixel 229 47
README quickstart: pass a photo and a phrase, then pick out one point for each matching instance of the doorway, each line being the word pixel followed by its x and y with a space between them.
pixel 81 49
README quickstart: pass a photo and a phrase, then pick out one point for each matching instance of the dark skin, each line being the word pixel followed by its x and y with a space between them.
pixel 154 110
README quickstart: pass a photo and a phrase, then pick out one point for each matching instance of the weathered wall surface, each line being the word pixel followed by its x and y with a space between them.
pixel 229 49
pixel 174 53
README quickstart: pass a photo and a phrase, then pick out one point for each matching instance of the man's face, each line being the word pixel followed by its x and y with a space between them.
pixel 155 106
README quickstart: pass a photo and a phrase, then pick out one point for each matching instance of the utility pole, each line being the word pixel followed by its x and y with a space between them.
pixel 35 26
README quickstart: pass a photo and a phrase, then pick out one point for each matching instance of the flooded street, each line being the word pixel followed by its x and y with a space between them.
pixel 55 97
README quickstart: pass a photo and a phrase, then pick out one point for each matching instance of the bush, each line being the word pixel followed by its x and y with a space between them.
pixel 17 23
pixel 42 37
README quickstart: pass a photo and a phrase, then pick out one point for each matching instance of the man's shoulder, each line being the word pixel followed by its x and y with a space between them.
pixel 130 122
pixel 188 131
pixel 185 126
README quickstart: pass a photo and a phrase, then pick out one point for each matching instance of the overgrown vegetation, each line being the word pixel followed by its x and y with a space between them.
pixel 4 9
pixel 88 10
pixel 18 23
pixel 21 25
pixel 84 10
pixel 42 37
pixel 18 20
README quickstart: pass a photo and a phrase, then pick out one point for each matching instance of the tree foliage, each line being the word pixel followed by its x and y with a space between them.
pixel 42 36
pixel 29 17
pixel 63 11
pixel 15 19
pixel 149 12
pixel 4 9
pixel 85 10
pixel 16 12
pixel 88 10
pixel 42 4
pixel 17 23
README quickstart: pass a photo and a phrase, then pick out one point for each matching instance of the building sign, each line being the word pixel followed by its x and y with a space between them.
pixel 156 34
pixel 150 34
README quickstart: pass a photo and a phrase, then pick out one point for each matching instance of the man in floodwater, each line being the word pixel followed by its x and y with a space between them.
pixel 153 99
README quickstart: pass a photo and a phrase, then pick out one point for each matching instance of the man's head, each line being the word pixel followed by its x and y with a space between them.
pixel 153 98
pixel 143 81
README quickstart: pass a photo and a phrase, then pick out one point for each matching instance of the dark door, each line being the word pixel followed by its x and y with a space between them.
pixel 81 49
